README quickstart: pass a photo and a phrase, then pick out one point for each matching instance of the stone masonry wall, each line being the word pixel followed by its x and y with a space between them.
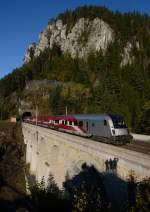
pixel 62 154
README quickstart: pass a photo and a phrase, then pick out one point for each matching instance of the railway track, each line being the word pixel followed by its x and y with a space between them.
pixel 138 146
pixel 135 145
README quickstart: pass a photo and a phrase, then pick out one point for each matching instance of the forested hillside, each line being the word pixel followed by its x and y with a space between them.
pixel 116 80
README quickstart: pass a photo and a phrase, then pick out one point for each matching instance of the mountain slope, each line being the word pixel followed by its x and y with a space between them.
pixel 95 60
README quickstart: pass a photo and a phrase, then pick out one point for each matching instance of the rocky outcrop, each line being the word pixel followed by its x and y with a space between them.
pixel 127 57
pixel 85 36
pixel 30 52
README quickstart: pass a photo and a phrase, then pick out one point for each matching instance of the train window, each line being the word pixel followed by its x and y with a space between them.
pixel 70 122
pixel 65 122
pixel 75 123
pixel 105 123
pixel 93 124
pixel 56 121
pixel 81 123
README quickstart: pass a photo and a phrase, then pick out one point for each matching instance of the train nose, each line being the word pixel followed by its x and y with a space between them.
pixel 121 132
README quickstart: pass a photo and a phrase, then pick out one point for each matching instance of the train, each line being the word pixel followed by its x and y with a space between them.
pixel 107 128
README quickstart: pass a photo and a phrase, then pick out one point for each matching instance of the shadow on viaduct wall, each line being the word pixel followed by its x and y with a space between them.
pixel 107 186
pixel 103 192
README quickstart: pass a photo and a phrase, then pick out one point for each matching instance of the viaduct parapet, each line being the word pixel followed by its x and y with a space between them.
pixel 49 151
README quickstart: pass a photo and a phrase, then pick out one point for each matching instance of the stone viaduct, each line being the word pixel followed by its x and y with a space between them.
pixel 49 151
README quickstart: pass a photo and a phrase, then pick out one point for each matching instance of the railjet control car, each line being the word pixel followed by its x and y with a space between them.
pixel 108 128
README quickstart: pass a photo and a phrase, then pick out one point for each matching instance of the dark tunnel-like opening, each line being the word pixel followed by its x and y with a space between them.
pixel 25 115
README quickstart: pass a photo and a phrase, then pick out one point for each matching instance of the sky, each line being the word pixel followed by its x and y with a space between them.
pixel 21 21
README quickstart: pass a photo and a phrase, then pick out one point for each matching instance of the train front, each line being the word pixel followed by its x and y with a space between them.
pixel 119 130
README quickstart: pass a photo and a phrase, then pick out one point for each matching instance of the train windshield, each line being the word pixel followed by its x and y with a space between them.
pixel 118 121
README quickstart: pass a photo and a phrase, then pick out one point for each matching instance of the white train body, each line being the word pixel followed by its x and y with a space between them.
pixel 109 128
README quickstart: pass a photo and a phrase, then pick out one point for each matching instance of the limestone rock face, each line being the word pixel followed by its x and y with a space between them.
pixel 127 57
pixel 85 36
pixel 30 50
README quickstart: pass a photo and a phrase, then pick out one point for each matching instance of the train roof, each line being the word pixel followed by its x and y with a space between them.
pixel 94 116
pixel 86 117
pixel 98 116
pixel 91 116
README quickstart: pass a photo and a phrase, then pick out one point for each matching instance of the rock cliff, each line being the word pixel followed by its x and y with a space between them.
pixel 85 36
